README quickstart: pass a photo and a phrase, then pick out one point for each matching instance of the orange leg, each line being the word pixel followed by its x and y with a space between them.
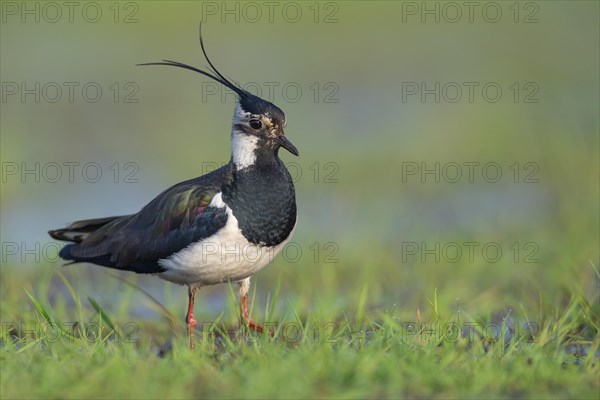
pixel 244 287
pixel 244 309
pixel 189 318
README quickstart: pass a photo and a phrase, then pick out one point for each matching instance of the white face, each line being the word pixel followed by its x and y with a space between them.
pixel 257 124
pixel 247 129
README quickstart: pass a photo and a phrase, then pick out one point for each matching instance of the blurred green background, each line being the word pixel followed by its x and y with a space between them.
pixel 357 123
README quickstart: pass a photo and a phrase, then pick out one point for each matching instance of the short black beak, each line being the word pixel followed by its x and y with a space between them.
pixel 286 144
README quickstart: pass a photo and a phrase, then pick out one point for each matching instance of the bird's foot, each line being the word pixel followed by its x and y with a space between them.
pixel 254 326
pixel 250 323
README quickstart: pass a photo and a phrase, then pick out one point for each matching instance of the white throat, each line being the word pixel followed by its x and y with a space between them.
pixel 242 149
pixel 242 145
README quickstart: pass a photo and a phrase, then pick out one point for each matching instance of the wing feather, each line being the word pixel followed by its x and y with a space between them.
pixel 176 218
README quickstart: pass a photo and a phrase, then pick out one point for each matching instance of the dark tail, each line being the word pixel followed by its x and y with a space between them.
pixel 79 230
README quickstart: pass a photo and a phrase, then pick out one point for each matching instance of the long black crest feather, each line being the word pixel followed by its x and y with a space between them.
pixel 214 73
pixel 213 68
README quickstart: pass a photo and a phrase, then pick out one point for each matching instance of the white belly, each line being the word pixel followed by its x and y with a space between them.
pixel 227 256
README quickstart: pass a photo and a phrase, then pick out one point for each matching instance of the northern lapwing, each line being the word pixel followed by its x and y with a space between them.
pixel 220 227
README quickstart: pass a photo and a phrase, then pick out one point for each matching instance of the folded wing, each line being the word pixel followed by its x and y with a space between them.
pixel 178 217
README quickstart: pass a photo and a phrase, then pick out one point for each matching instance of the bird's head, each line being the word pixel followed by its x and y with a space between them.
pixel 258 128
pixel 257 123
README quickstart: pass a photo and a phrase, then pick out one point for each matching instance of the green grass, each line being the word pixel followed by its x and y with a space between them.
pixel 364 351
pixel 358 320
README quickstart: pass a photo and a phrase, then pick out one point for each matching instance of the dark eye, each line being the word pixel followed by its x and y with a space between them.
pixel 255 124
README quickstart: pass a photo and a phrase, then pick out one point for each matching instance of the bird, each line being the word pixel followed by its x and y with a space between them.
pixel 221 227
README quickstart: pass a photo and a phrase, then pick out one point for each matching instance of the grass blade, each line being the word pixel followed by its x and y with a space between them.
pixel 104 316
